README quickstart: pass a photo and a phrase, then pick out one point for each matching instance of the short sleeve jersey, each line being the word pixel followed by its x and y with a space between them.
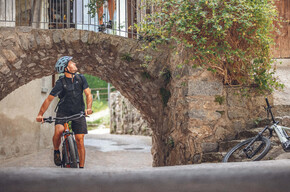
pixel 73 101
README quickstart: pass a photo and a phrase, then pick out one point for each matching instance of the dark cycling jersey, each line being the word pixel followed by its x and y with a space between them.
pixel 73 95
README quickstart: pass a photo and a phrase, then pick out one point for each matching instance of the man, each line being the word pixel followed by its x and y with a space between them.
pixel 70 89
pixel 100 11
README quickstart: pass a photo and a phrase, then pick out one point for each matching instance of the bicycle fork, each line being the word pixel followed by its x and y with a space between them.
pixel 248 150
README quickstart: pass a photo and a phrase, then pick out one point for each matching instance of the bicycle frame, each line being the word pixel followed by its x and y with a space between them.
pixel 281 133
pixel 65 137
pixel 279 130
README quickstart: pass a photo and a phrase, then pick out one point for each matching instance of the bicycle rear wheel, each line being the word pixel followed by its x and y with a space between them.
pixel 256 151
pixel 72 152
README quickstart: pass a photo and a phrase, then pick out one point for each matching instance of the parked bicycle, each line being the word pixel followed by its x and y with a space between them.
pixel 254 149
pixel 70 156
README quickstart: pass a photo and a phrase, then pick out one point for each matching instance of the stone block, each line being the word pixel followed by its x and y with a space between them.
pixel 235 99
pixel 57 36
pixel 84 36
pixel 5 70
pixel 286 121
pixel 210 88
pixel 197 114
pixel 237 114
pixel 10 56
pixel 17 65
pixel 2 61
pixel 238 125
pixel 209 147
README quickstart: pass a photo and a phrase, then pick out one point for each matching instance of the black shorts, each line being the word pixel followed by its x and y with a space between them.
pixel 79 126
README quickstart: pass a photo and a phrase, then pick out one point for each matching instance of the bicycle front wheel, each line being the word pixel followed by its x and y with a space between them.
pixel 255 152
pixel 72 152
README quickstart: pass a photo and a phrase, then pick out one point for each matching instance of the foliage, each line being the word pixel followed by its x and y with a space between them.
pixel 219 99
pixel 127 57
pixel 95 82
pixel 231 38
pixel 94 6
pixel 99 105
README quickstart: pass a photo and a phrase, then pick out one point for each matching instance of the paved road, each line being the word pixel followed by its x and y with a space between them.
pixel 104 151
pixel 264 176
pixel 123 164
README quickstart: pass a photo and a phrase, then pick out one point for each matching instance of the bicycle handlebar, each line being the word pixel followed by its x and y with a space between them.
pixel 69 118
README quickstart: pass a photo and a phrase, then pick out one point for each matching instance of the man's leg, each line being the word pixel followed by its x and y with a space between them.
pixel 81 148
pixel 58 130
pixel 111 5
pixel 100 15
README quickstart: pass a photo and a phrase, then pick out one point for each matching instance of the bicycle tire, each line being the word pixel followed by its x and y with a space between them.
pixel 264 141
pixel 65 159
pixel 72 152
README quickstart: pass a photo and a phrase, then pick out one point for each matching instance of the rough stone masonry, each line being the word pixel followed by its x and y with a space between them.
pixel 188 109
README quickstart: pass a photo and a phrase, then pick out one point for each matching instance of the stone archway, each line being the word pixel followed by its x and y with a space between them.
pixel 189 109
pixel 27 54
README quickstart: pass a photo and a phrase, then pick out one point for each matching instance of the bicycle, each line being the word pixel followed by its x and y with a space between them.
pixel 255 148
pixel 70 156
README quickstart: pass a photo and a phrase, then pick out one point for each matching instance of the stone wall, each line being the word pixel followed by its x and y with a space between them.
pixel 200 113
pixel 125 118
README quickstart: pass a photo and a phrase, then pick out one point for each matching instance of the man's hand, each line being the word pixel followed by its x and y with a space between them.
pixel 39 118
pixel 88 112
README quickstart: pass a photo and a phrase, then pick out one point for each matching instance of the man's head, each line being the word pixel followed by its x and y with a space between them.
pixel 71 67
pixel 65 64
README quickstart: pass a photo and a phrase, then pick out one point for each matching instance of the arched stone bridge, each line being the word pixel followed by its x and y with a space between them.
pixel 189 110
pixel 27 54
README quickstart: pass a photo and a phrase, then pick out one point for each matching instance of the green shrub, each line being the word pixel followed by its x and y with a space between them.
pixel 231 38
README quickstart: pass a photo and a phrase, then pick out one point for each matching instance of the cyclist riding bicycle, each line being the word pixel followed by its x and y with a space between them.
pixel 69 88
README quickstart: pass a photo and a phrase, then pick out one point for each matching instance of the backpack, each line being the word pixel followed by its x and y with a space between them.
pixel 64 85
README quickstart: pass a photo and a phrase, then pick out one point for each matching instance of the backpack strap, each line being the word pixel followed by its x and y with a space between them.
pixel 80 79
pixel 64 84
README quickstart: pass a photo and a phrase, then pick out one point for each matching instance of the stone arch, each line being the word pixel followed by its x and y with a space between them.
pixel 27 54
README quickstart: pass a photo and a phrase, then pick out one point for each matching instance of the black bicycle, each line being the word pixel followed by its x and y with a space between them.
pixel 70 156
pixel 254 149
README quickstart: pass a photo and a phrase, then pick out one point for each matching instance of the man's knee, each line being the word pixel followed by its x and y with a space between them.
pixel 58 130
pixel 79 139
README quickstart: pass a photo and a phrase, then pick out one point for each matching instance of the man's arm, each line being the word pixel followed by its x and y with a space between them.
pixel 89 100
pixel 44 107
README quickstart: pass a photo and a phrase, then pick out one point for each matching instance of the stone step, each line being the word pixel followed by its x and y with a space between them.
pixel 253 132
pixel 225 146
pixel 250 133
pixel 276 152
pixel 214 157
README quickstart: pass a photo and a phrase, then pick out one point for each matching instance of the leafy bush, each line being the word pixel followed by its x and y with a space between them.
pixel 231 38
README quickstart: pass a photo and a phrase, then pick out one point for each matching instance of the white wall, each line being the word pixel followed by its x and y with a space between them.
pixel 283 71
pixel 19 132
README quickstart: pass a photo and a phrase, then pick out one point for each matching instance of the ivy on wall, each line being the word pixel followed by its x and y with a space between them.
pixel 231 38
